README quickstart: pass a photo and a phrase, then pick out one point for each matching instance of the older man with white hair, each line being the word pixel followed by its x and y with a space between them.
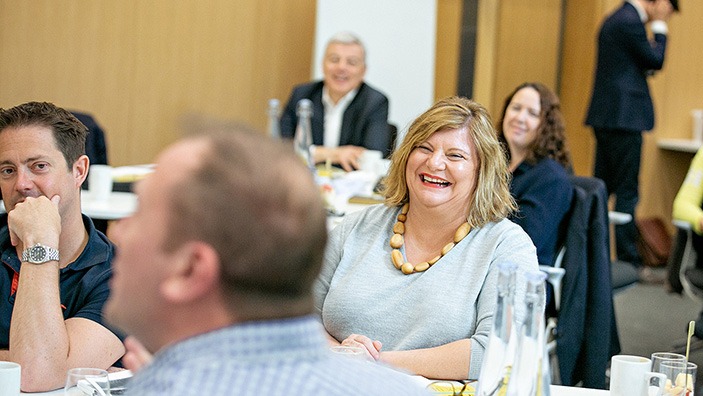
pixel 349 116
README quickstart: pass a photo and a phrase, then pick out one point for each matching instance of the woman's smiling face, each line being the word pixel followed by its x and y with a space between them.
pixel 522 119
pixel 442 170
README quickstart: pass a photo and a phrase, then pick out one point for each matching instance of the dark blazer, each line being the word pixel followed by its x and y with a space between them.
pixel 365 121
pixel 587 335
pixel 621 98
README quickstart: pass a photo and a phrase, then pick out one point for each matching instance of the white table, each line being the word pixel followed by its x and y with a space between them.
pixel 555 390
pixel 683 145
pixel 558 390
pixel 117 375
pixel 117 206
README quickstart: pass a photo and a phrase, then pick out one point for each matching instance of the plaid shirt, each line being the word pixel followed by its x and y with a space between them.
pixel 282 357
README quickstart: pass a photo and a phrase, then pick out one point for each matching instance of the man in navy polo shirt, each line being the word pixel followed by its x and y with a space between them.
pixel 55 265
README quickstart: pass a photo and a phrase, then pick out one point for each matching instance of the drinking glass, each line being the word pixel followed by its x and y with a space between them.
pixel 659 357
pixel 681 377
pixel 87 382
pixel 349 351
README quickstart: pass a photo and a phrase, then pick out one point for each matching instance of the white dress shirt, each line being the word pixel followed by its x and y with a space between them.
pixel 659 27
pixel 333 116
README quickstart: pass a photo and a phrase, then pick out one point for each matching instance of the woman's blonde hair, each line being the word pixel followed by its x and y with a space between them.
pixel 491 200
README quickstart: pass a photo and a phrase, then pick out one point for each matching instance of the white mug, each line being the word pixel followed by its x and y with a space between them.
pixel 631 376
pixel 9 379
pixel 370 161
pixel 100 182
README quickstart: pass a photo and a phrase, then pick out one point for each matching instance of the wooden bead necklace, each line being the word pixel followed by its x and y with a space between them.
pixel 397 242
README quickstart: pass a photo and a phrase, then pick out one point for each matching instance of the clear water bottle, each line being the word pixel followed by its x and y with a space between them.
pixel 530 375
pixel 274 126
pixel 303 133
pixel 497 359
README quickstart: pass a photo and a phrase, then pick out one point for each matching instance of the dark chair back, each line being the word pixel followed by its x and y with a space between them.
pixel 393 133
pixel 95 145
pixel 586 330
pixel 96 150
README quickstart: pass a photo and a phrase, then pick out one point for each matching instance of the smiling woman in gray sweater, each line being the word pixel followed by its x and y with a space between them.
pixel 414 281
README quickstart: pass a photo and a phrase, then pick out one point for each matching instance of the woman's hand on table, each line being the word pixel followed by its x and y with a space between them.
pixel 373 348
pixel 136 356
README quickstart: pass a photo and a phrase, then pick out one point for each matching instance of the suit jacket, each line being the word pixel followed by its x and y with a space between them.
pixel 587 335
pixel 621 98
pixel 365 121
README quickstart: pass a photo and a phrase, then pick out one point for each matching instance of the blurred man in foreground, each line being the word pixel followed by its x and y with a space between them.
pixel 216 279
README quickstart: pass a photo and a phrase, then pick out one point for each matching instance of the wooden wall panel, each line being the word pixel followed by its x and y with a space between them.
pixel 518 41
pixel 139 66
pixel 449 18
pixel 488 27
pixel 582 20
pixel 527 46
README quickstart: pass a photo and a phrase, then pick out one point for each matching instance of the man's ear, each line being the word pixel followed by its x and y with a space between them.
pixel 195 273
pixel 80 169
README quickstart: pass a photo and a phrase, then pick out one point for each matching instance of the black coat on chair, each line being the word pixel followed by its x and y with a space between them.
pixel 587 335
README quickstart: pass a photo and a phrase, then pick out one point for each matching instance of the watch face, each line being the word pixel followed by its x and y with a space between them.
pixel 40 254
pixel 37 253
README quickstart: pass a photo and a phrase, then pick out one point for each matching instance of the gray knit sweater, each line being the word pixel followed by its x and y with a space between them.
pixel 360 291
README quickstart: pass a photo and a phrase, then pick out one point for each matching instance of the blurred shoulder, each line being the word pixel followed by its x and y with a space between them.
pixel 370 93
pixel 307 89
pixel 550 171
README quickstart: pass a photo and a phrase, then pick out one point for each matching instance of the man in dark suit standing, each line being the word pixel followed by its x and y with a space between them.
pixel 621 106
pixel 348 115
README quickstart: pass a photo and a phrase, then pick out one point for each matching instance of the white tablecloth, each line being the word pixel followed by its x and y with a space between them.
pixel 117 206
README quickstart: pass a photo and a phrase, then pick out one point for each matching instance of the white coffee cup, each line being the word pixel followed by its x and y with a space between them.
pixel 383 166
pixel 370 161
pixel 100 182
pixel 9 379
pixel 631 376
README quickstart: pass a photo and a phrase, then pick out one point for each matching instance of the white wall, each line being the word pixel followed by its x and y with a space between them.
pixel 399 36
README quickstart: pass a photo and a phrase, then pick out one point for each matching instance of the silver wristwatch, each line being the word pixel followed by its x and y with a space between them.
pixel 39 254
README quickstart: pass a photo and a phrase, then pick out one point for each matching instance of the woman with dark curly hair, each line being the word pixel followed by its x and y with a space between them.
pixel 531 128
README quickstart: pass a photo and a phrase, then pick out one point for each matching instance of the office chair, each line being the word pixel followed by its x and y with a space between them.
pixel 393 132
pixel 96 150
pixel 583 339
pixel 684 275
pixel 689 275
